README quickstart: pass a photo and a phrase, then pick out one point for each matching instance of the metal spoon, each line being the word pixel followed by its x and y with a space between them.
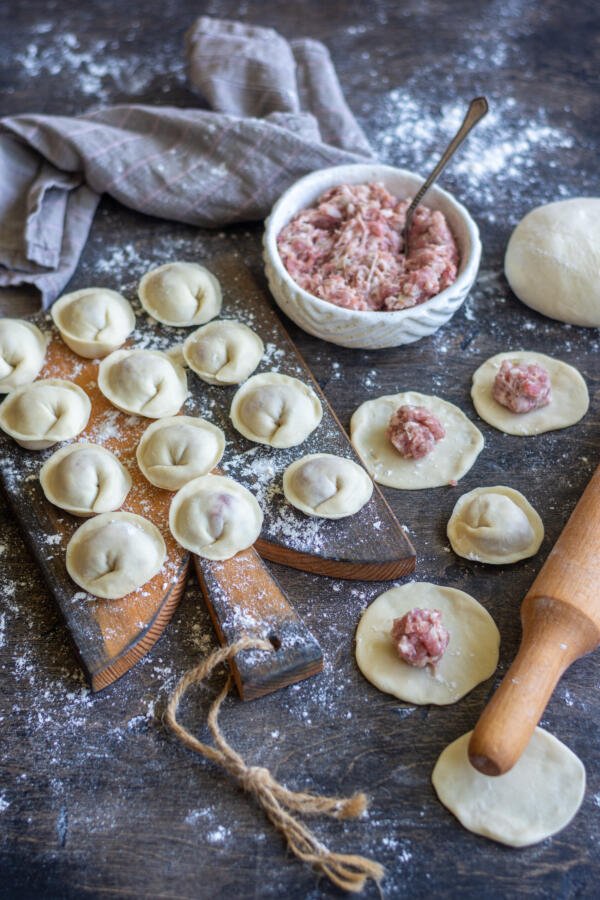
pixel 476 111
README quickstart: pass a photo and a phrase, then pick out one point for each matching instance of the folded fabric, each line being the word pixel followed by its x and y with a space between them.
pixel 278 112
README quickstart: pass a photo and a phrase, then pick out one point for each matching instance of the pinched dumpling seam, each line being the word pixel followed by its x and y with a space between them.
pixel 180 287
pixel 143 382
pixel 276 410
pixel 40 414
pixel 175 450
pixel 22 353
pixel 85 479
pixel 223 352
pixel 328 486
pixel 93 321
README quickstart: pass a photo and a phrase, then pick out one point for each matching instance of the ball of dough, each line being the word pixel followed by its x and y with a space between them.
pixel 471 655
pixel 495 525
pixel 327 486
pixel 276 410
pixel 173 451
pixel 450 459
pixel 215 517
pixel 553 260
pixel 45 412
pixel 538 797
pixel 94 321
pixel 223 352
pixel 143 382
pixel 22 353
pixel 180 294
pixel 115 553
pixel 568 404
pixel 85 479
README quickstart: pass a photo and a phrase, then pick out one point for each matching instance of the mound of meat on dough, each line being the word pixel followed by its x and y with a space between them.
pixel 522 386
pixel 420 638
pixel 414 431
pixel 348 249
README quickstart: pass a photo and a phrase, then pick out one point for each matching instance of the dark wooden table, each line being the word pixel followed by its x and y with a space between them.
pixel 95 797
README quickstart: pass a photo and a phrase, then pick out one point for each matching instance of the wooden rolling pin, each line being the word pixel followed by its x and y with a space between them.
pixel 561 622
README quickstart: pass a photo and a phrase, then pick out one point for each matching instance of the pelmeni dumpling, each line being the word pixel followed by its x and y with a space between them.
pixel 215 517
pixel 85 479
pixel 327 486
pixel 22 353
pixel 93 321
pixel 495 525
pixel 173 451
pixel 275 410
pixel 44 412
pixel 181 294
pixel 115 553
pixel 223 352
pixel 143 382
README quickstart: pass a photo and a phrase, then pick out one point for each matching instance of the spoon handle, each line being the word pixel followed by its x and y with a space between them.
pixel 476 111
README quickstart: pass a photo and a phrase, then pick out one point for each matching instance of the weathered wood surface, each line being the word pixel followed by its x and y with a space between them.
pixel 97 800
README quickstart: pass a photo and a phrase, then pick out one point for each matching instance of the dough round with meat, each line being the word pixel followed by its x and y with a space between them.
pixel 569 400
pixel 115 553
pixel 85 479
pixel 223 352
pixel 45 412
pixel 471 655
pixel 276 410
pixel 173 451
pixel 536 798
pixel 496 525
pixel 180 294
pixel 22 353
pixel 327 486
pixel 143 382
pixel 450 459
pixel 553 259
pixel 94 321
pixel 215 517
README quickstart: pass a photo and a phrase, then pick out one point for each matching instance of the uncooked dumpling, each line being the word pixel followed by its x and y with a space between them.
pixel 143 382
pixel 471 655
pixel 180 294
pixel 215 517
pixel 115 553
pixel 568 403
pixel 327 486
pixel 536 798
pixel 173 451
pixel 22 353
pixel 450 458
pixel 85 479
pixel 495 525
pixel 223 352
pixel 44 412
pixel 553 259
pixel 276 410
pixel 94 321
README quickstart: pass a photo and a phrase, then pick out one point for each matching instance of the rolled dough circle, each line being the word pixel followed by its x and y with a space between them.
pixel 538 797
pixel 569 403
pixel 450 459
pixel 471 655
pixel 553 259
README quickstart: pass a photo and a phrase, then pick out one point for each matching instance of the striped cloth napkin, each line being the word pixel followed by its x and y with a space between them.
pixel 278 112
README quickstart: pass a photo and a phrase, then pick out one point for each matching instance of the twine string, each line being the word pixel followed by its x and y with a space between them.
pixel 348 871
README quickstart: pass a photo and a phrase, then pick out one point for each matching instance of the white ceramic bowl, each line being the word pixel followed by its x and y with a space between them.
pixel 368 329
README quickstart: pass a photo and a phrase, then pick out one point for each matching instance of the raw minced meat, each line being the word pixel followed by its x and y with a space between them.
pixel 522 386
pixel 414 431
pixel 348 249
pixel 420 638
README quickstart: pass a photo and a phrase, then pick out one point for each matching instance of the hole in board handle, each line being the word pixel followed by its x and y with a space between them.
pixel 275 641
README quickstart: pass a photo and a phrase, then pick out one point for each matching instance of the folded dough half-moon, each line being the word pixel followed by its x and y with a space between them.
pixel 223 352
pixel 22 353
pixel 44 412
pixel 180 294
pixel 173 451
pixel 276 410
pixel 143 382
pixel 115 553
pixel 93 321
pixel 215 517
pixel 327 486
pixel 85 479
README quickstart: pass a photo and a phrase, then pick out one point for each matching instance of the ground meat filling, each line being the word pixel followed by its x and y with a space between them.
pixel 521 386
pixel 420 638
pixel 348 249
pixel 414 431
